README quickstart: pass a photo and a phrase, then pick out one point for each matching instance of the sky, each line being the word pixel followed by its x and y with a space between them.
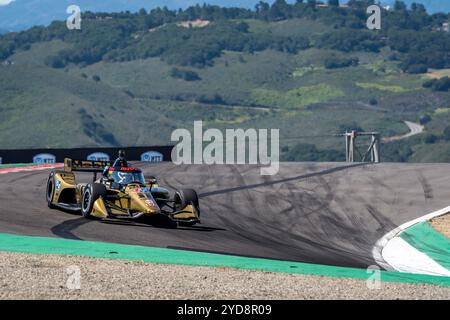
pixel 5 2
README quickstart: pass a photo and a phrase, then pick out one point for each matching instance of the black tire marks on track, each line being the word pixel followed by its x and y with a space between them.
pixel 317 213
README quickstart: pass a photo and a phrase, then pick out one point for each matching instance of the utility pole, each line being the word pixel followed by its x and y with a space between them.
pixel 351 148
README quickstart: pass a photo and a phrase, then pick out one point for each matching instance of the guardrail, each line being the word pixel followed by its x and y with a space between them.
pixel 50 156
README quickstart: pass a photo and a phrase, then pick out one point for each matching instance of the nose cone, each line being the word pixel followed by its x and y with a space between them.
pixel 144 202
pixel 151 207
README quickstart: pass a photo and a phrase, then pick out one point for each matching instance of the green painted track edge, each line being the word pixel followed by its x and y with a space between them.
pixel 429 241
pixel 16 165
pixel 45 245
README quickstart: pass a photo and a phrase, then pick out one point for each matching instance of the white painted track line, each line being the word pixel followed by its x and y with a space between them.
pixel 391 256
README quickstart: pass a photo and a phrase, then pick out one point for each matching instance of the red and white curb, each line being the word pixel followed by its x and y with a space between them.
pixel 31 168
pixel 395 254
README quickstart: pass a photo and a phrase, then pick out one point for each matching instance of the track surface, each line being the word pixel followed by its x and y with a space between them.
pixel 318 213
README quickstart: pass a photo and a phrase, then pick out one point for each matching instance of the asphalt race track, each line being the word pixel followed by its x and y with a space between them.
pixel 318 213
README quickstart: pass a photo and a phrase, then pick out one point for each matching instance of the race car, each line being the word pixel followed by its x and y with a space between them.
pixel 120 193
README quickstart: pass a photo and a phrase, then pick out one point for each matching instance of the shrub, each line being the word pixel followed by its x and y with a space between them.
pixel 428 84
pixel 416 68
pixel 430 138
pixel 309 152
pixel 447 133
pixel 211 99
pixel 243 27
pixel 186 75
pixel 425 119
pixel 442 84
pixel 337 62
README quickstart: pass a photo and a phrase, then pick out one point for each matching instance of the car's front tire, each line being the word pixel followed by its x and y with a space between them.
pixel 185 197
pixel 90 194
pixel 50 190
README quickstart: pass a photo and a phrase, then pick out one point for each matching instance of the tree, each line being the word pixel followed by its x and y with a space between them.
pixel 400 6
pixel 333 3
pixel 262 7
pixel 360 4
pixel 279 10
pixel 312 3
pixel 262 10
pixel 418 7
pixel 425 119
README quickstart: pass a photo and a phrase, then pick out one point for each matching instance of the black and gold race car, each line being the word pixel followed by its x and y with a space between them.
pixel 120 193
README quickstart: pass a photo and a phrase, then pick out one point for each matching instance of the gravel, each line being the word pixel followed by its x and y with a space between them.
pixel 32 276
pixel 442 224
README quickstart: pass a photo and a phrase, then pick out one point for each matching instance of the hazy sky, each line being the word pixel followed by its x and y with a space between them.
pixel 3 2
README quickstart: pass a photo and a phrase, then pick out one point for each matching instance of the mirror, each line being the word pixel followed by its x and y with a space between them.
pixel 150 181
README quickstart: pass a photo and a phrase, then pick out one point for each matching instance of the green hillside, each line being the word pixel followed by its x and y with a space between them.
pixel 130 79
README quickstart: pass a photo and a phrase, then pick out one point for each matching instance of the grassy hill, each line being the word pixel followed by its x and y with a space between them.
pixel 45 107
pixel 141 90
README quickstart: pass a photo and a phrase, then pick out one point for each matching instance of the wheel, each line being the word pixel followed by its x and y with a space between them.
pixel 185 197
pixel 90 194
pixel 50 190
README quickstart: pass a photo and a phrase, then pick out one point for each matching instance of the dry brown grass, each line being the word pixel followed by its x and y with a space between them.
pixel 194 24
pixel 437 74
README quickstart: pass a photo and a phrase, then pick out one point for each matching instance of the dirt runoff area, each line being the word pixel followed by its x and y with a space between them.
pixel 30 276
pixel 442 224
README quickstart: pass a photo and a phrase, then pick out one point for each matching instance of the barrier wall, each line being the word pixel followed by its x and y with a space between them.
pixel 48 156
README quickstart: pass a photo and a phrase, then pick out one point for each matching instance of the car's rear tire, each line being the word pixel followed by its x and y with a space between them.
pixel 50 191
pixel 90 194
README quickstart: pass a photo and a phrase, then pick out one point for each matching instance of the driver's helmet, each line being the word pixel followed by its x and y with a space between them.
pixel 125 176
pixel 122 154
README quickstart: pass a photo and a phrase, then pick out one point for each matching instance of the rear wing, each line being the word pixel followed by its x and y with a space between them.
pixel 71 165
